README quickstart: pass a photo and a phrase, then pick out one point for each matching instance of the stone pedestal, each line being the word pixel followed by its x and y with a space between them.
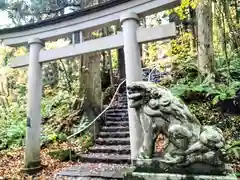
pixel 153 169
pixel 156 166
pixel 164 176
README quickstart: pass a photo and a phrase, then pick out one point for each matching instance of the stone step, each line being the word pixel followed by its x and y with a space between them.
pixel 123 98
pixel 116 110
pixel 112 141
pixel 114 129
pixel 123 134
pixel 124 95
pixel 117 123
pixel 124 118
pixel 93 171
pixel 105 158
pixel 87 176
pixel 121 149
pixel 117 114
pixel 120 106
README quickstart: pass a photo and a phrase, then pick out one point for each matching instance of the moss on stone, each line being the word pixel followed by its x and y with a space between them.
pixel 129 176
pixel 64 155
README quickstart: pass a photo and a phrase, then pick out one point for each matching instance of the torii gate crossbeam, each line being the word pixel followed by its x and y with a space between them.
pixel 144 35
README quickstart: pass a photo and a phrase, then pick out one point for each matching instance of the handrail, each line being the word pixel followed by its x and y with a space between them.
pixel 105 108
pixel 149 76
pixel 100 113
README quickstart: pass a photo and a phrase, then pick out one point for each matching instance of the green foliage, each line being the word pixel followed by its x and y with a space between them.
pixel 49 135
pixel 223 91
pixel 114 54
pixel 58 104
pixel 12 135
pixel 181 46
pixel 13 120
pixel 152 51
pixel 233 150
pixel 188 84
pixel 181 10
pixel 55 107
pixel 232 65
pixel 85 141
pixel 83 124
pixel 216 91
pixel 12 124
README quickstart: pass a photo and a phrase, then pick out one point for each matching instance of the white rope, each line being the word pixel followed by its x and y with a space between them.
pixel 100 113
pixel 149 76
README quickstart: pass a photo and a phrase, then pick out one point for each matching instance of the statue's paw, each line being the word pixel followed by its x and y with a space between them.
pixel 168 161
pixel 179 153
pixel 140 156
pixel 144 156
pixel 188 160
pixel 172 160
pixel 183 164
pixel 147 157
pixel 144 153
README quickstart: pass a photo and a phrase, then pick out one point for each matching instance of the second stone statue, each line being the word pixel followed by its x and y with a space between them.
pixel 190 145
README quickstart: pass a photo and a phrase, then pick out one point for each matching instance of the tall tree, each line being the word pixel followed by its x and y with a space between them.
pixel 231 25
pixel 205 37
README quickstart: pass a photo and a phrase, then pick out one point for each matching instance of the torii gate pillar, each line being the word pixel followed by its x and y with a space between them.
pixel 32 152
pixel 130 24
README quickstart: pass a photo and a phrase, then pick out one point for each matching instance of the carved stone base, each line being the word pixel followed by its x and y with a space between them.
pixel 32 168
pixel 165 176
pixel 155 166
pixel 153 169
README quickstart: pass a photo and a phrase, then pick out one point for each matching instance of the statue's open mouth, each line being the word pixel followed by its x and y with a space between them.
pixel 135 96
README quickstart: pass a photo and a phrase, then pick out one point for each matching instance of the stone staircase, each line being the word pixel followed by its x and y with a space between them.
pixel 110 155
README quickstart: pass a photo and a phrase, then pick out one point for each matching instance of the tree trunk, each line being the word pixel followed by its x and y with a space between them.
pixel 68 79
pixel 90 79
pixel 110 67
pixel 237 12
pixel 192 14
pixel 121 59
pixel 205 38
pixel 121 64
pixel 221 26
pixel 90 88
pixel 230 23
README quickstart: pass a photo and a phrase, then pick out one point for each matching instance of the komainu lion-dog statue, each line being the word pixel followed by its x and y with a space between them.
pixel 188 141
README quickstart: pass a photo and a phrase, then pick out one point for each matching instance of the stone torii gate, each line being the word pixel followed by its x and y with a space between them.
pixel 73 25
